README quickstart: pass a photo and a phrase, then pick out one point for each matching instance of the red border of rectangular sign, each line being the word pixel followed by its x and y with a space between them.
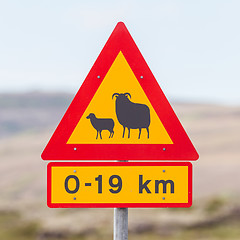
pixel 118 205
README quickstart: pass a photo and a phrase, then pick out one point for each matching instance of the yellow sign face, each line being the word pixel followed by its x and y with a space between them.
pixel 120 79
pixel 119 184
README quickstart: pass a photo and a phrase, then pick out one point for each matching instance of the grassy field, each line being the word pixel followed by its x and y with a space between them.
pixel 215 213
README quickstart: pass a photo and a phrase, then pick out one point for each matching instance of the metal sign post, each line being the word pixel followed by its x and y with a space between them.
pixel 120 224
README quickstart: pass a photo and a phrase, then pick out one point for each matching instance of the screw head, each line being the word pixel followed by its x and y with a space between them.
pixel 74 198
pixel 141 77
pixel 98 76
pixel 74 171
pixel 164 149
pixel 75 149
pixel 163 198
pixel 164 170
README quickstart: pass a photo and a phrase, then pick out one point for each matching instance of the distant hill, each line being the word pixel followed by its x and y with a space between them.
pixel 38 110
pixel 31 111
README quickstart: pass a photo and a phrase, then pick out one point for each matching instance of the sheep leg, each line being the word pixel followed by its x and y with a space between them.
pixel 97 135
pixel 112 133
pixel 123 131
pixel 128 132
pixel 148 131
pixel 100 134
pixel 139 133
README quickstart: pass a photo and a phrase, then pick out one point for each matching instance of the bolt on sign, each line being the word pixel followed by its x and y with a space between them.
pixel 119 184
pixel 120 112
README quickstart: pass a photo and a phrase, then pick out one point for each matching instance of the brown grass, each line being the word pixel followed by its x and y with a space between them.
pixel 214 130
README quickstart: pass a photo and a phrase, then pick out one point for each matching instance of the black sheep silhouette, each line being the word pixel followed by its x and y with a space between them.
pixel 131 115
pixel 101 124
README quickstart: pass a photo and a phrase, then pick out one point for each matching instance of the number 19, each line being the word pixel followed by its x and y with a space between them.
pixel 115 185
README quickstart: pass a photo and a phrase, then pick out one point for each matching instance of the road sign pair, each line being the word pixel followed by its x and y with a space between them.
pixel 119 113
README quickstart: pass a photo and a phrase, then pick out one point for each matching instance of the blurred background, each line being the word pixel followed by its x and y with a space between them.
pixel 46 50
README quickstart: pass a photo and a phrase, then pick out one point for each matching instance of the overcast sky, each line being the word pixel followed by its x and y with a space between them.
pixel 192 47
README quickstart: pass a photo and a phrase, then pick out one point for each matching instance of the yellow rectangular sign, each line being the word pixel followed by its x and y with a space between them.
pixel 120 184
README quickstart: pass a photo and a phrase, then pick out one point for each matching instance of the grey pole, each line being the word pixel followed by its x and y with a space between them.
pixel 120 227
pixel 120 224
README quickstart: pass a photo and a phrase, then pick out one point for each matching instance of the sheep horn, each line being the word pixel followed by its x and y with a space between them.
pixel 115 94
pixel 125 94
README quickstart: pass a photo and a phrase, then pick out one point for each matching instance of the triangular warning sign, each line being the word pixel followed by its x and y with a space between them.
pixel 120 112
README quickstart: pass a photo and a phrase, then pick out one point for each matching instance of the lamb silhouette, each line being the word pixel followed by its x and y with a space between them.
pixel 101 124
pixel 131 115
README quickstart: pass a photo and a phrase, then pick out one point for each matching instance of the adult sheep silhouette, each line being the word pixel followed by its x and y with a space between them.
pixel 101 124
pixel 131 115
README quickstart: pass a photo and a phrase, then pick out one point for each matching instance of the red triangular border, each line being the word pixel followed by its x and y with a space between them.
pixel 120 40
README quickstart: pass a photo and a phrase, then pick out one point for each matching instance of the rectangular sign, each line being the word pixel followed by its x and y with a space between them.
pixel 119 184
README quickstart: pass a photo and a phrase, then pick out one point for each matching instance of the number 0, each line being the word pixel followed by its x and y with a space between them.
pixel 77 184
